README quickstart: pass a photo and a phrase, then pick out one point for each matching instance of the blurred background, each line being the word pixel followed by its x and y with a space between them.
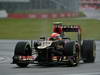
pixel 13 6
pixel 39 15
pixel 47 6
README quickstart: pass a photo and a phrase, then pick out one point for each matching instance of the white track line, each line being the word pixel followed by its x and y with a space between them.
pixel 96 73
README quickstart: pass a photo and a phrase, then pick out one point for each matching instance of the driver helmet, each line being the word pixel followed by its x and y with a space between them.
pixel 55 36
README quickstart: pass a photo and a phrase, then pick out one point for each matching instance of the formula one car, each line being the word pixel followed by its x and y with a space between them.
pixel 48 52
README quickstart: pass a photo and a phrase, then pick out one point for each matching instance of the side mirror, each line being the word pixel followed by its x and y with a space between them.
pixel 43 38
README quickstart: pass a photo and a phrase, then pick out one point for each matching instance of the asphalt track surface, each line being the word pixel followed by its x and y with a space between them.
pixel 6 53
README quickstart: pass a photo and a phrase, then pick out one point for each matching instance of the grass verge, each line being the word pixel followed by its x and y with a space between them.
pixel 34 28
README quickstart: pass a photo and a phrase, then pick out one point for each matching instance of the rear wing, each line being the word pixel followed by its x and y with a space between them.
pixel 71 28
pixel 67 28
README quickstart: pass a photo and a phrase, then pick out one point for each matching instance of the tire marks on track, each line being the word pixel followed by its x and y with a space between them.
pixel 5 60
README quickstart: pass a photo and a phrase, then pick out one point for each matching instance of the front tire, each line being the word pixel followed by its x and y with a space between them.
pixel 71 52
pixel 22 49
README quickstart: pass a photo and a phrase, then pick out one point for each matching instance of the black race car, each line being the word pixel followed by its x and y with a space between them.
pixel 46 52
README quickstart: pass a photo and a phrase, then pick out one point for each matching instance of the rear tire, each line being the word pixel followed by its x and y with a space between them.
pixel 22 49
pixel 88 51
